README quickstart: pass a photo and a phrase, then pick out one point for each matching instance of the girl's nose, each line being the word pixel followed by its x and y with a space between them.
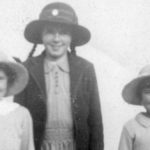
pixel 56 36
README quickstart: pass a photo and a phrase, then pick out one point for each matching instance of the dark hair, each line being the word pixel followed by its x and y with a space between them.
pixel 10 73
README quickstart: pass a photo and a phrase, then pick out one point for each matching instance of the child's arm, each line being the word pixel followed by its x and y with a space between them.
pixel 126 141
pixel 27 134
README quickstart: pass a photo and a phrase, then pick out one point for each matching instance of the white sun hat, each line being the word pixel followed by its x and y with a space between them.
pixel 130 91
pixel 21 74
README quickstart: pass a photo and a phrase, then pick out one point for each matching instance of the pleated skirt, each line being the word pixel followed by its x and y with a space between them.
pixel 58 139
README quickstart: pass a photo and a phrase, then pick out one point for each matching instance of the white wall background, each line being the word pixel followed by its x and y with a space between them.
pixel 119 47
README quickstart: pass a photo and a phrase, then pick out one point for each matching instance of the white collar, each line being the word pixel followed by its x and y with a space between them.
pixel 7 105
pixel 62 63
pixel 143 120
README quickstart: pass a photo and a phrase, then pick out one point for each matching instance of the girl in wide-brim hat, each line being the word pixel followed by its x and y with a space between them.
pixel 58 78
pixel 15 120
pixel 136 132
pixel 57 14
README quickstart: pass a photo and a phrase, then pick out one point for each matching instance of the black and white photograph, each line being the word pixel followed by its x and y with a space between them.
pixel 74 75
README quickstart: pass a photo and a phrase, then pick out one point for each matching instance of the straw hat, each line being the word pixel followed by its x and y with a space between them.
pixel 21 72
pixel 57 13
pixel 130 91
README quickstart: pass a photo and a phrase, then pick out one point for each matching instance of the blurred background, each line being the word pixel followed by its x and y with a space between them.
pixel 119 47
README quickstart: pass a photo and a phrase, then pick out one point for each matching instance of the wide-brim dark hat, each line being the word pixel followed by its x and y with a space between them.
pixel 21 75
pixel 130 91
pixel 57 14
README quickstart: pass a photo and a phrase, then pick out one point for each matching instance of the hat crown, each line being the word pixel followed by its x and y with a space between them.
pixel 145 71
pixel 59 12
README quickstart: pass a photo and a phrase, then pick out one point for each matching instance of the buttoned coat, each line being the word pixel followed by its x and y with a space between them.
pixel 85 103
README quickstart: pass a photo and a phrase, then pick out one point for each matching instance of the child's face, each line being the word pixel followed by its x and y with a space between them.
pixel 146 99
pixel 56 40
pixel 3 84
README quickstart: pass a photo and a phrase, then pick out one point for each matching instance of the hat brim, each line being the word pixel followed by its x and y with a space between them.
pixel 80 34
pixel 21 78
pixel 129 92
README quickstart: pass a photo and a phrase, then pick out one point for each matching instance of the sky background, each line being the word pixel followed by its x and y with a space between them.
pixel 119 47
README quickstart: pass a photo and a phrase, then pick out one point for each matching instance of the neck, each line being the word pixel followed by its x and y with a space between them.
pixel 55 59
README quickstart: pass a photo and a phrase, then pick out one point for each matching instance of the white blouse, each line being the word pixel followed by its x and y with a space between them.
pixel 16 131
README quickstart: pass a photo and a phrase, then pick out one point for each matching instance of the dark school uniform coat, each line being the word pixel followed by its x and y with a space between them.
pixel 86 110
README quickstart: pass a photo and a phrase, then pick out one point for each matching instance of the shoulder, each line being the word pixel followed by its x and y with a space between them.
pixel 131 123
pixel 31 61
pixel 80 61
pixel 35 60
pixel 131 126
pixel 22 111
pixel 23 117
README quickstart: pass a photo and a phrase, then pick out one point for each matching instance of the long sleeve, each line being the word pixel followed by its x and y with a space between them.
pixel 27 134
pixel 95 116
pixel 126 141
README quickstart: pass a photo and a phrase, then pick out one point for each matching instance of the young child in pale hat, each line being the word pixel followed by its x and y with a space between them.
pixel 15 120
pixel 136 132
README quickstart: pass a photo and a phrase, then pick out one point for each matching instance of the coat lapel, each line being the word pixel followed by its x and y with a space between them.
pixel 36 68
pixel 76 74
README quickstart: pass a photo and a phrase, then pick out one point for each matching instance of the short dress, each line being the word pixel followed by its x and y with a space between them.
pixel 16 130
pixel 59 134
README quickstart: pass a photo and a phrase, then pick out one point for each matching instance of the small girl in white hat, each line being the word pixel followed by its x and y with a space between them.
pixel 136 132
pixel 15 120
